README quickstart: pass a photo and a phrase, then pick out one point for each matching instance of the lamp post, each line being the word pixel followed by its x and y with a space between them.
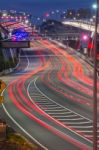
pixel 95 83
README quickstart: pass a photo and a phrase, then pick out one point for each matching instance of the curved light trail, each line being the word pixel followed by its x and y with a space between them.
pixel 61 74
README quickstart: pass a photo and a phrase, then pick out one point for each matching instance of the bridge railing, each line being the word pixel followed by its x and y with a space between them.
pixel 84 24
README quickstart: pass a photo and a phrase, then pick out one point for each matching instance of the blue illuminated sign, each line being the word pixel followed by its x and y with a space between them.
pixel 19 34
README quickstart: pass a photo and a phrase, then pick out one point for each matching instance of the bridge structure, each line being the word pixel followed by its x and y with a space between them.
pixel 74 31
pixel 87 26
pixel 85 42
pixel 79 32
pixel 83 24
pixel 63 36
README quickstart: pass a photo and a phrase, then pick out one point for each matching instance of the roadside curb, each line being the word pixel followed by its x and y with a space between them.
pixel 78 53
pixel 7 71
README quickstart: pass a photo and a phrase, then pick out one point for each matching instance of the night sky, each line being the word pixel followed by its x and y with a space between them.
pixel 39 7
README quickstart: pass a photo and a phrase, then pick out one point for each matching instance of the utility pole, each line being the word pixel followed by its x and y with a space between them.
pixel 95 82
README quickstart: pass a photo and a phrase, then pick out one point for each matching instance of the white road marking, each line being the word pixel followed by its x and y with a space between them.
pixel 55 110
pixel 55 113
pixel 73 123
pixel 29 135
pixel 70 119
pixel 52 108
pixel 66 116
pixel 83 127
pixel 41 55
pixel 54 101
pixel 34 80
pixel 17 64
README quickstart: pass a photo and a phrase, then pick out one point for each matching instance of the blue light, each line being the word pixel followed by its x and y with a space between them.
pixel 20 34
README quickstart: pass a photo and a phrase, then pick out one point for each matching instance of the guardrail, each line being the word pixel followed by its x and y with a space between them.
pixel 81 24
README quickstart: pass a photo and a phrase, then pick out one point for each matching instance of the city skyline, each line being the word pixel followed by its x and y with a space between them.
pixel 39 7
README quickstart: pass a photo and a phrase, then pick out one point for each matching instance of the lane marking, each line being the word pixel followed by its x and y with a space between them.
pixel 73 123
pixel 56 102
pixel 75 115
pixel 34 81
pixel 83 127
pixel 17 63
pixel 70 119
pixel 59 133
pixel 41 55
pixel 55 113
pixel 26 68
pixel 17 124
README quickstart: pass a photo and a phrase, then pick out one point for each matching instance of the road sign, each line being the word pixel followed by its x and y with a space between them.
pixel 2 86
pixel 1 99
pixel 15 44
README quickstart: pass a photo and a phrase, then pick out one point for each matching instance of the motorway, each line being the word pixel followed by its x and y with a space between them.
pixel 49 97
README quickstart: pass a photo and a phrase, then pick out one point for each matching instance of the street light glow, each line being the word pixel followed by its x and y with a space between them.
pixel 26 21
pixel 94 6
pixel 53 12
pixel 57 11
pixel 91 19
pixel 85 37
pixel 4 14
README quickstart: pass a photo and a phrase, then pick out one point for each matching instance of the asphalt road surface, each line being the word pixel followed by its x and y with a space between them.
pixel 49 98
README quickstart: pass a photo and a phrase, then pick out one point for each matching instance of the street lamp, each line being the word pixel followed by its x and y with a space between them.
pixel 52 12
pixel 94 6
pixel 57 11
pixel 4 14
pixel 95 80
pixel 26 21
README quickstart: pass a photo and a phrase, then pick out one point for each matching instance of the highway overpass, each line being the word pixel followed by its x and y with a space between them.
pixel 81 24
